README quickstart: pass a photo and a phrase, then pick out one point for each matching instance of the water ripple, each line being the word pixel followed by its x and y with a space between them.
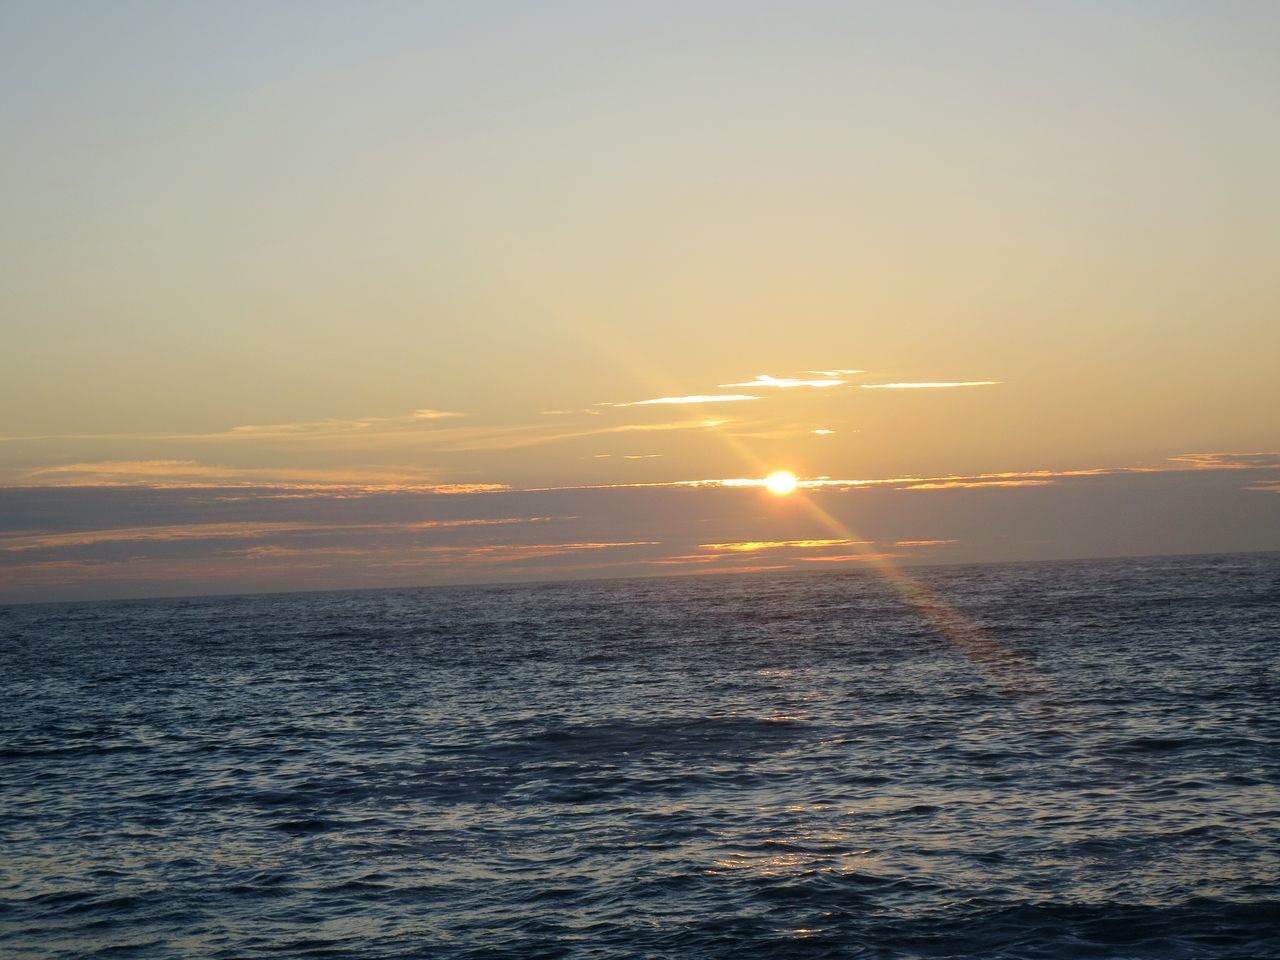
pixel 794 766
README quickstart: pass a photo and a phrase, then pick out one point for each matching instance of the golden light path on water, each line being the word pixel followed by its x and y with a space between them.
pixel 1015 674
pixel 1012 670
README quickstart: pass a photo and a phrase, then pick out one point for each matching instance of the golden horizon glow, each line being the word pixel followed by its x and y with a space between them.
pixel 781 483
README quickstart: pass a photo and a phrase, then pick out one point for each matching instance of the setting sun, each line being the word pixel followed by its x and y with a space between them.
pixel 780 483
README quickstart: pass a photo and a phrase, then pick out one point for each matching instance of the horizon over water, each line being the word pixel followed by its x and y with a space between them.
pixel 910 566
pixel 1048 759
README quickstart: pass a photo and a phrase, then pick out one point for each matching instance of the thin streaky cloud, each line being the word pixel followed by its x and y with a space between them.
pixel 173 472
pixel 446 559
pixel 191 473
pixel 837 373
pixel 697 398
pixel 719 570
pixel 754 546
pixel 850 557
pixel 239 530
pixel 1229 461
pixel 332 425
pixel 520 438
pixel 687 558
pixel 764 380
pixel 977 484
pixel 938 385
pixel 326 427
pixel 1010 478
pixel 506 552
pixel 453 555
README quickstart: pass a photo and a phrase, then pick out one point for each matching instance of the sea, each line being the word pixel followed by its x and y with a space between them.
pixel 1043 760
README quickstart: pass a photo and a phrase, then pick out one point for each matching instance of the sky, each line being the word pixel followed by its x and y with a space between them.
pixel 325 295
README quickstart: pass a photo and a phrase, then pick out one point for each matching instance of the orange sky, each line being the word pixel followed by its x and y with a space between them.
pixel 286 288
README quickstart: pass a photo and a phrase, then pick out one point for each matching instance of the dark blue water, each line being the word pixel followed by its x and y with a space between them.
pixel 1045 760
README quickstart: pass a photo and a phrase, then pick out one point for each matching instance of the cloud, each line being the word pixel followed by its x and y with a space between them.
pixel 242 530
pixel 931 385
pixel 272 565
pixel 823 432
pixel 1229 461
pixel 976 484
pixel 687 558
pixel 1008 478
pixel 337 425
pixel 756 546
pixel 764 380
pixel 849 557
pixel 188 473
pixel 80 542
pixel 700 398
pixel 718 569
pixel 753 546
pixel 202 531
pixel 837 373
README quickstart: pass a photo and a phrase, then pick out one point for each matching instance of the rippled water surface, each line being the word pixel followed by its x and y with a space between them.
pixel 1044 760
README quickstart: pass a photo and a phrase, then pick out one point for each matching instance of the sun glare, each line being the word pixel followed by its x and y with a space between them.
pixel 780 483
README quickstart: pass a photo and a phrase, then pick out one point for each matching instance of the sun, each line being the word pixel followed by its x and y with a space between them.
pixel 780 483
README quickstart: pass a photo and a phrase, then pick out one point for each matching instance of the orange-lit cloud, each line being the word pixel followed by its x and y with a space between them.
pixel 376 436
pixel 686 558
pixel 275 552
pixel 237 531
pixel 198 535
pixel 976 484
pixel 338 425
pixel 1013 478
pixel 751 546
pixel 1229 461
pixel 268 564
pixel 185 473
pixel 698 398
pixel 850 557
pixel 507 552
pixel 764 380
pixel 837 373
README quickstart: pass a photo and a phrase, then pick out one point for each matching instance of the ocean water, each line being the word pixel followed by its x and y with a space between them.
pixel 1042 760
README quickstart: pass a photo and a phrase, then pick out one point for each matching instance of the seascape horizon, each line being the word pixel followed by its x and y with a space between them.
pixel 742 479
